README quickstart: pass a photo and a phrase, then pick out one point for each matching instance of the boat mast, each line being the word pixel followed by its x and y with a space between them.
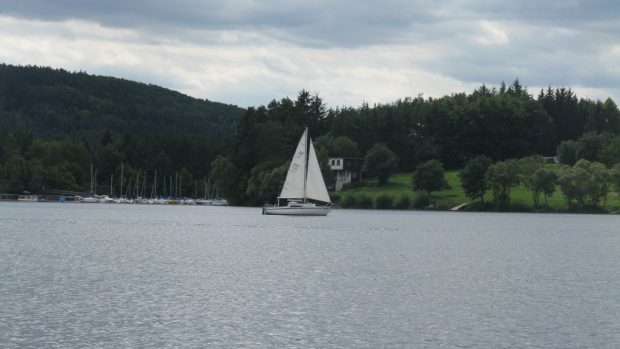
pixel 121 192
pixel 95 181
pixel 155 184
pixel 137 185
pixel 91 178
pixel 306 163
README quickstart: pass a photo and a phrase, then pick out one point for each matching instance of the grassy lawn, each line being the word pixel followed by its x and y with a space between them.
pixel 400 183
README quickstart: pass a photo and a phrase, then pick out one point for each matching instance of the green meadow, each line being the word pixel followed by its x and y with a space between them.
pixel 520 197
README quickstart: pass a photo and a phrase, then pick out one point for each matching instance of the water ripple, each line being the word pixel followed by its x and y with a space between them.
pixel 108 276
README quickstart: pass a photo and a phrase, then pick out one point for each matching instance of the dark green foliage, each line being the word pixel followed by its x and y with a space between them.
pixel 615 176
pixel 349 201
pixel 429 177
pixel 403 203
pixel 59 123
pixel 336 198
pixel 265 183
pixel 543 181
pixel 53 103
pixel 186 184
pixel 498 126
pixel 16 175
pixel 567 152
pixel 610 154
pixel 362 200
pixel 600 147
pixel 226 178
pixel 340 146
pixel 527 167
pixel 384 201
pixel 591 145
pixel 380 162
pixel 570 180
pixel 365 201
pixel 604 117
pixel 421 200
pixel 586 184
pixel 502 176
pixel 565 111
pixel 473 177
pixel 267 136
pixel 54 124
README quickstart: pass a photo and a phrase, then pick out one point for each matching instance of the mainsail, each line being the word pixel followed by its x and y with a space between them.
pixel 293 187
pixel 304 179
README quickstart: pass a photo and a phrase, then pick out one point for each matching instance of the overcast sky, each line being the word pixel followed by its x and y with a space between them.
pixel 248 52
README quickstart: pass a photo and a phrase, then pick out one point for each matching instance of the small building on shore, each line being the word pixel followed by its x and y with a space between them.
pixel 28 197
pixel 347 170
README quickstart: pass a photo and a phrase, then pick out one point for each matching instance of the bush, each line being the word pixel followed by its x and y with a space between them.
pixel 353 185
pixel 365 201
pixel 335 198
pixel 384 201
pixel 349 201
pixel 403 203
pixel 421 200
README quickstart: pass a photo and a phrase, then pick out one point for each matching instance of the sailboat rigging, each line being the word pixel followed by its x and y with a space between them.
pixel 304 182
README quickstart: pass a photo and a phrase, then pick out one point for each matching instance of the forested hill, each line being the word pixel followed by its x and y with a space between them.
pixel 54 103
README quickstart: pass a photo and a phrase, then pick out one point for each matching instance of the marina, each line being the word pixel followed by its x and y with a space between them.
pixel 105 199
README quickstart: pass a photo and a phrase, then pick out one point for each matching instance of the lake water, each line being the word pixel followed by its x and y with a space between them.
pixel 119 276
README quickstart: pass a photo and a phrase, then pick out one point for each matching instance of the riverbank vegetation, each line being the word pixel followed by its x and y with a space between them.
pixel 490 143
pixel 571 189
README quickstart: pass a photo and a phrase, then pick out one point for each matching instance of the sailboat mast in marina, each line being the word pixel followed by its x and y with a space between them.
pixel 304 182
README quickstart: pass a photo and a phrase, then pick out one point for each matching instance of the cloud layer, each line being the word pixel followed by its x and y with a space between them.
pixel 248 52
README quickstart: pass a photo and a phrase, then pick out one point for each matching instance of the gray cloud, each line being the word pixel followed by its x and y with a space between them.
pixel 322 22
pixel 236 50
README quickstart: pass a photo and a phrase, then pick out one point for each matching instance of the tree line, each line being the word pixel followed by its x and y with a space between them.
pixel 500 123
pixel 585 185
pixel 165 164
pixel 246 153
pixel 54 124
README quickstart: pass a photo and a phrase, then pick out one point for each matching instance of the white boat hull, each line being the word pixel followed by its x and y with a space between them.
pixel 296 211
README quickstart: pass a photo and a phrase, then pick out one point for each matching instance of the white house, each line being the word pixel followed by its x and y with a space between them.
pixel 347 170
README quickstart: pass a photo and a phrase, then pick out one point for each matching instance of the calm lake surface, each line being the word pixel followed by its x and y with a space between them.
pixel 120 276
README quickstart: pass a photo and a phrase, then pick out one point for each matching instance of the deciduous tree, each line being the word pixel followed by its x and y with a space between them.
pixel 380 162
pixel 429 177
pixel 502 176
pixel 473 177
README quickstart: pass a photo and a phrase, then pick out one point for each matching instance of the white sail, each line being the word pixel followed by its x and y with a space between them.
pixel 293 187
pixel 303 181
pixel 315 185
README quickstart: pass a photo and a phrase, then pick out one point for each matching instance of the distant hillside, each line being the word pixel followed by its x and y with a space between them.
pixel 53 103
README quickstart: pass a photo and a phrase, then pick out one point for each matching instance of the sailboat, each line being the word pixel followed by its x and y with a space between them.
pixel 304 182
